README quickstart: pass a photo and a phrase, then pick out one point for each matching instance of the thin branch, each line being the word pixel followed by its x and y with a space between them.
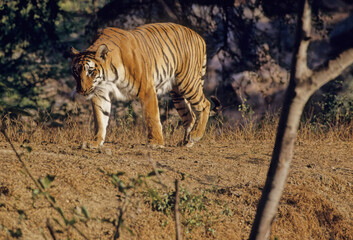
pixel 51 229
pixel 22 162
pixel 122 211
pixel 168 10
pixel 333 69
pixel 177 211
pixel 47 197
pixel 154 167
pixel 302 39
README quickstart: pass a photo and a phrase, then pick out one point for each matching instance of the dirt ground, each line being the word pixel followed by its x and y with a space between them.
pixel 221 182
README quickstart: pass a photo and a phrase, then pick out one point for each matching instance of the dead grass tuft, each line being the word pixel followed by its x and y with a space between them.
pixel 310 216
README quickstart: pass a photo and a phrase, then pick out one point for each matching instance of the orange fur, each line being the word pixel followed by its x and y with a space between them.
pixel 143 62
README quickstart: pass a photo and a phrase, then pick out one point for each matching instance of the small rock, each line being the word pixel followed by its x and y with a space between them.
pixel 83 145
pixel 106 151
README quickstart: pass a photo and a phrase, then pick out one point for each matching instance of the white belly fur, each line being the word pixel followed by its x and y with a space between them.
pixel 110 87
pixel 164 86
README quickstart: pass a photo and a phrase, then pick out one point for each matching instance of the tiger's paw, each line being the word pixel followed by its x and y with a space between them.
pixel 187 144
pixel 155 146
pixel 89 145
pixel 155 143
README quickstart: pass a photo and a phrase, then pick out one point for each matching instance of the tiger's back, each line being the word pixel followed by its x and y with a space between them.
pixel 164 52
pixel 178 52
pixel 155 59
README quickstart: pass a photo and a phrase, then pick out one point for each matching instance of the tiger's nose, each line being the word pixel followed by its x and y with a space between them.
pixel 80 90
pixel 83 91
pixel 80 87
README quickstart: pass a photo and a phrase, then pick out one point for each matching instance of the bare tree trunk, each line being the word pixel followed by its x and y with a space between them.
pixel 303 83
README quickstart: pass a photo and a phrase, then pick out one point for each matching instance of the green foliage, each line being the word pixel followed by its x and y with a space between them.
pixel 192 207
pixel 246 111
pixel 28 39
pixel 189 203
pixel 133 183
pixel 34 36
pixel 127 189
pixel 128 120
pixel 85 212
pixel 333 105
pixel 46 182
pixel 15 233
pixel 26 147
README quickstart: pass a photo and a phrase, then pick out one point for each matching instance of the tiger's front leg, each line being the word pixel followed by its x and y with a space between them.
pixel 101 112
pixel 149 104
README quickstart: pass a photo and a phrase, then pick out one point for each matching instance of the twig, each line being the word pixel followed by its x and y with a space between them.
pixel 154 167
pixel 47 197
pixel 177 211
pixel 51 229
pixel 122 210
pixel 21 161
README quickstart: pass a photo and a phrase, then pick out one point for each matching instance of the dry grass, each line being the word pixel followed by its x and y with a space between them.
pixel 126 128
pixel 224 175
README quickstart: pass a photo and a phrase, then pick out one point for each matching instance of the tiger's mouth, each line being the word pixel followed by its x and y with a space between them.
pixel 85 93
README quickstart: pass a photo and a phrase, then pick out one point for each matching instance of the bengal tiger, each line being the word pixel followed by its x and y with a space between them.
pixel 147 61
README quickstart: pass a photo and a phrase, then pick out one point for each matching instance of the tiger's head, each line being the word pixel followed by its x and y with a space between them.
pixel 88 69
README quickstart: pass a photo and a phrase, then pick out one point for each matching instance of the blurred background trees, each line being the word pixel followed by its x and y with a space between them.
pixel 249 50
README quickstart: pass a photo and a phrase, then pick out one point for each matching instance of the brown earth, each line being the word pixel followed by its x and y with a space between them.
pixel 221 179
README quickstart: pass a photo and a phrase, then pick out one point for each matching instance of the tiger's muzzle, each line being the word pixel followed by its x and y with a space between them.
pixel 84 92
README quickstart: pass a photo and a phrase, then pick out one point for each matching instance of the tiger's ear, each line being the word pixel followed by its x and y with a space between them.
pixel 73 51
pixel 102 52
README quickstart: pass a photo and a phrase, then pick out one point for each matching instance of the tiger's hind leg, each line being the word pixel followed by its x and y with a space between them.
pixel 185 112
pixel 193 92
pixel 194 96
pixel 190 88
pixel 201 107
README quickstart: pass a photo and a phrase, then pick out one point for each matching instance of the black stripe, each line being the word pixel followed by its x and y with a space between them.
pixel 196 92
pixel 177 98
pixel 156 67
pixel 164 72
pixel 114 30
pixel 185 114
pixel 189 87
pixel 115 71
pixel 108 38
pixel 161 37
pixel 138 91
pixel 180 108
pixel 198 102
